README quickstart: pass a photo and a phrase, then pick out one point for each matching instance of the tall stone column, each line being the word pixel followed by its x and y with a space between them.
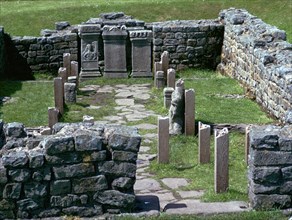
pixel 115 64
pixel 141 53
pixel 89 35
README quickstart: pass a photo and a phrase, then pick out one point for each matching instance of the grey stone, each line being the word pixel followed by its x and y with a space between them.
pixel 147 184
pixel 47 32
pixel 42 174
pixel 286 188
pixel 12 191
pixel 15 130
pixel 70 92
pixel 122 183
pixel 66 201
pixel 89 184
pixel 125 102
pixel 115 198
pixel 65 158
pixel 3 177
pixel 83 211
pixel 59 187
pixel 20 175
pixel 35 190
pixel 27 204
pixel 159 79
pixel 287 173
pixel 262 158
pixel 88 141
pixel 36 158
pixel 191 194
pixel 175 183
pixel 15 159
pixel 61 25
pixel 49 213
pixel 117 169
pixel 124 156
pixel 58 144
pixel 14 143
pixel 98 156
pixel 75 170
pixel 266 174
pixel 269 201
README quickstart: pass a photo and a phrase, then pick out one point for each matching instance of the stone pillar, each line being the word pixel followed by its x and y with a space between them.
pixel 53 114
pixel 157 67
pixel 89 35
pixel 59 94
pixel 177 109
pixel 190 112
pixel 70 93
pixel 141 53
pixel 115 64
pixel 74 68
pixel 62 72
pixel 160 82
pixel 167 96
pixel 165 62
pixel 247 131
pixel 171 78
pixel 204 143
pixel 67 64
pixel 163 140
pixel 221 174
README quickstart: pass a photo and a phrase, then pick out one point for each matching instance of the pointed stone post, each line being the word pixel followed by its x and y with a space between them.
pixel 247 142
pixel 171 78
pixel 204 143
pixel 165 62
pixel 67 64
pixel 62 72
pixel 74 68
pixel 89 35
pixel 167 96
pixel 189 112
pixel 59 94
pixel 141 53
pixel 163 140
pixel 53 114
pixel 221 160
pixel 115 63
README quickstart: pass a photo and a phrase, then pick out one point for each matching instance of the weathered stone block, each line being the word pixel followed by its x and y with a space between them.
pixel 75 170
pixel 64 158
pixel 115 198
pixel 27 204
pixel 83 211
pixel 122 183
pixel 287 173
pixel 58 144
pixel 20 175
pixel 36 158
pixel 124 156
pixel 98 156
pixel 42 174
pixel 15 130
pixel 118 169
pixel 270 201
pixel 12 191
pixel 88 141
pixel 60 187
pixel 90 184
pixel 270 158
pixel 15 159
pixel 266 174
pixel 35 190
pixel 70 92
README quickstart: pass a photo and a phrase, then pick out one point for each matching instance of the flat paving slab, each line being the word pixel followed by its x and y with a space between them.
pixel 191 194
pixel 175 183
pixel 147 184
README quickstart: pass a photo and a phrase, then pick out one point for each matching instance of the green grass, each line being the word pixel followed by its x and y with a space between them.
pixel 31 102
pixel 29 17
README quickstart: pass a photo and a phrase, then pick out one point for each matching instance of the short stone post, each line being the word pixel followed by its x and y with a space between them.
pixel 160 82
pixel 59 94
pixel 171 78
pixel 165 62
pixel 204 143
pixel 62 72
pixel 247 142
pixel 89 35
pixel 163 140
pixel 74 68
pixel 53 114
pixel 67 64
pixel 189 112
pixel 70 93
pixel 167 96
pixel 115 63
pixel 141 53
pixel 157 67
pixel 221 160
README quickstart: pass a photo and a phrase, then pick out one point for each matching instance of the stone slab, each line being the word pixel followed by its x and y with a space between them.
pixel 191 194
pixel 125 102
pixel 146 126
pixel 147 184
pixel 175 183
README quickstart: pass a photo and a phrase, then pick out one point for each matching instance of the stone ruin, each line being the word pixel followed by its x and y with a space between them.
pixel 82 169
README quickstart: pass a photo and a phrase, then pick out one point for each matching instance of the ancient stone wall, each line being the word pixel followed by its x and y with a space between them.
pixel 82 169
pixel 258 55
pixel 189 43
pixel 270 167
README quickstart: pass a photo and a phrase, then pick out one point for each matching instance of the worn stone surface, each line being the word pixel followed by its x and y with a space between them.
pixel 90 184
pixel 70 92
pixel 15 130
pixel 115 198
pixel 174 183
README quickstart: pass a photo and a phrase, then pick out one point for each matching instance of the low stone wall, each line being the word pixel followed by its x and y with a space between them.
pixel 270 167
pixel 189 43
pixel 257 55
pixel 82 169
pixel 46 53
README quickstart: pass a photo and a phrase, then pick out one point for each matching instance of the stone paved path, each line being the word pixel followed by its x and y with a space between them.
pixel 155 196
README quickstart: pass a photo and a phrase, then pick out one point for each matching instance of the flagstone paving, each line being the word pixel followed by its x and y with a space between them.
pixel 153 195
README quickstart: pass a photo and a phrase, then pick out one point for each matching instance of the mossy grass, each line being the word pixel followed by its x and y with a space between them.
pixel 29 17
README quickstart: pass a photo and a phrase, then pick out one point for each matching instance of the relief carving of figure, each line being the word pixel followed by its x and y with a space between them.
pixel 90 52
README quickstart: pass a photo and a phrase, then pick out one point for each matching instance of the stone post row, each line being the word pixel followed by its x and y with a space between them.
pixel 67 64
pixel 221 172
pixel 59 94
pixel 204 143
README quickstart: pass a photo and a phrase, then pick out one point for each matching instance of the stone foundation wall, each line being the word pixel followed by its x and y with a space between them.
pixel 258 55
pixel 270 167
pixel 189 43
pixel 82 169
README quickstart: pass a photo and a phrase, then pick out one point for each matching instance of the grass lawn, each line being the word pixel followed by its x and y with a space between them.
pixel 29 17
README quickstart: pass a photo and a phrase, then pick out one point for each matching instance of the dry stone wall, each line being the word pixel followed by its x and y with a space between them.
pixel 82 169
pixel 189 43
pixel 270 167
pixel 258 55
